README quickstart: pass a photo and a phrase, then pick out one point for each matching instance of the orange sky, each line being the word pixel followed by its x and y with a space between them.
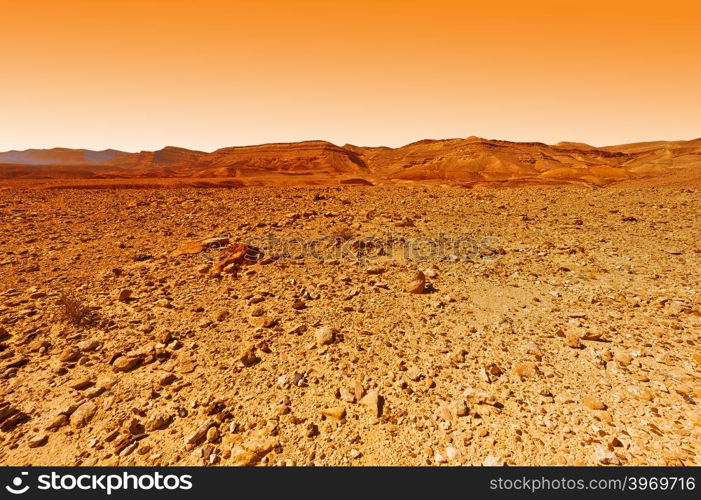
pixel 205 74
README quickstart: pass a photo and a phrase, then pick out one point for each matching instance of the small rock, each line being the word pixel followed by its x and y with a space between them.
pixel 526 370
pixel 346 395
pixel 417 284
pixel 58 421
pixel 325 336
pixel 372 401
pixel 311 430
pixel 81 383
pixel 37 440
pixel 125 363
pixel 257 312
pixel 461 409
pixel 167 379
pixel 573 339
pixel 123 295
pixel 88 345
pixel 83 414
pixel 413 373
pixel 623 358
pixel 375 270
pixel 493 461
pixel 248 356
pixel 199 433
pixel 69 355
pixel 604 456
pixel 94 392
pixel 156 421
pixel 212 434
pixel 452 453
pixel 336 413
pixel 135 427
pixel 593 403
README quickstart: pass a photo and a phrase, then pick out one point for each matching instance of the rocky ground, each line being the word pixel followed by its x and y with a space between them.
pixel 136 328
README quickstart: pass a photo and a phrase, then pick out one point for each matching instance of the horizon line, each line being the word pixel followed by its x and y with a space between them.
pixel 341 145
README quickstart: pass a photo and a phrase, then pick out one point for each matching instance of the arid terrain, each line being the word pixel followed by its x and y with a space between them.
pixel 471 162
pixel 342 324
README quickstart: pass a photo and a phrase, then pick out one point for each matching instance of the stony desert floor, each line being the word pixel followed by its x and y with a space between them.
pixel 133 333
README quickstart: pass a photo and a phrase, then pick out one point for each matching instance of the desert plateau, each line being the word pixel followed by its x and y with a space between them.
pixel 449 302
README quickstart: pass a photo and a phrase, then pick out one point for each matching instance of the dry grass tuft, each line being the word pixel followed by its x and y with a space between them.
pixel 74 309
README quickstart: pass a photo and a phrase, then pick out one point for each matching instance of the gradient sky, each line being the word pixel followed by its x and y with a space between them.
pixel 143 74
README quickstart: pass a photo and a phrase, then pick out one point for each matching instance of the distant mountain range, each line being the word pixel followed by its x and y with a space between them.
pixel 454 161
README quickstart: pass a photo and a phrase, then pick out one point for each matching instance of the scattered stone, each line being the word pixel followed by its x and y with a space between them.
pixel 94 392
pixel 257 312
pixel 9 423
pixel 81 383
pixel 88 345
pixel 336 413
pixel 375 270
pixel 452 453
pixel 417 284
pixel 373 402
pixel 11 417
pixel 199 433
pixel 346 395
pixel 83 414
pixel 135 427
pixel 157 421
pixel 7 410
pixel 573 339
pixel 37 440
pixel 58 421
pixel 325 336
pixel 593 403
pixel 125 363
pixel 69 355
pixel 493 461
pixel 623 358
pixel 248 356
pixel 413 373
pixel 213 434
pixel 526 370
pixel 604 456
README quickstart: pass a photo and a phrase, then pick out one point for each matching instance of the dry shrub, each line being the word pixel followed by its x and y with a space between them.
pixel 74 310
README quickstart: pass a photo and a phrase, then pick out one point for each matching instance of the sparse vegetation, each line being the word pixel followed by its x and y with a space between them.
pixel 74 310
